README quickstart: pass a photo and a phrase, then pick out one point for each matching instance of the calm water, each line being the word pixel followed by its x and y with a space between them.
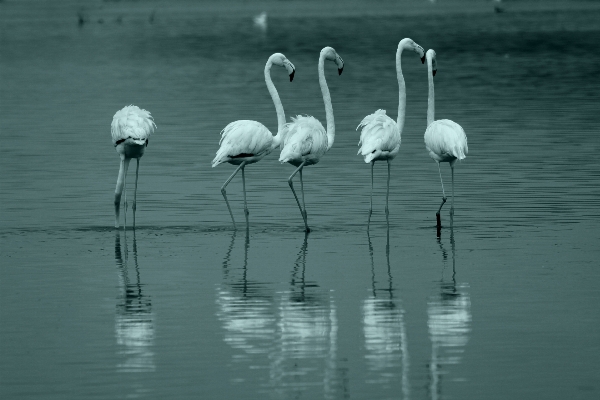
pixel 503 305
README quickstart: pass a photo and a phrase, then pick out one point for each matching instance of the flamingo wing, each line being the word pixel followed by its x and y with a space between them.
pixel 446 140
pixel 132 122
pixel 243 138
pixel 304 136
pixel 379 134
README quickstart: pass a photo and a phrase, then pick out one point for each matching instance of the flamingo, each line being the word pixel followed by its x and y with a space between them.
pixel 380 135
pixel 130 130
pixel 445 140
pixel 304 139
pixel 246 142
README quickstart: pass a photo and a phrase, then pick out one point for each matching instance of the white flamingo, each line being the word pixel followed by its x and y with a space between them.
pixel 445 140
pixel 380 135
pixel 304 139
pixel 130 130
pixel 246 142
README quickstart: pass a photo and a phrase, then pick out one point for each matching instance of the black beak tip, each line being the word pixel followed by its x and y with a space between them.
pixel 433 72
pixel 423 60
pixel 340 70
pixel 292 75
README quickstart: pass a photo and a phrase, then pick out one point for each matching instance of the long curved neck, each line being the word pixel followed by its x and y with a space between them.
pixel 431 97
pixel 327 101
pixel 276 101
pixel 401 88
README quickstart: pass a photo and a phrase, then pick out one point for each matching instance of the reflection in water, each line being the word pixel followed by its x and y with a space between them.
pixel 297 331
pixel 307 328
pixel 134 320
pixel 244 309
pixel 385 331
pixel 449 321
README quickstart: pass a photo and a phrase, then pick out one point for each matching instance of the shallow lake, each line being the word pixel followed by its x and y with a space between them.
pixel 502 304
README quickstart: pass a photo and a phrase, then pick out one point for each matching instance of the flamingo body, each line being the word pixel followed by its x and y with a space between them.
pixel 304 140
pixel 130 130
pixel 379 137
pixel 446 141
pixel 243 140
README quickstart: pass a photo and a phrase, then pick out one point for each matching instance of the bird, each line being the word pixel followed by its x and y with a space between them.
pixel 304 140
pixel 130 130
pixel 380 135
pixel 445 140
pixel 246 142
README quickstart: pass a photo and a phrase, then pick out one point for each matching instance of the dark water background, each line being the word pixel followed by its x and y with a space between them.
pixel 503 305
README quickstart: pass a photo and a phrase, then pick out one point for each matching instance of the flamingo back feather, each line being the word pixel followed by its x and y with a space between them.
pixel 446 140
pixel 304 136
pixel 379 134
pixel 243 137
pixel 132 122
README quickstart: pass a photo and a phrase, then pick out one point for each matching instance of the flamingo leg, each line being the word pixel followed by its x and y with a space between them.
pixel 291 183
pixel 137 169
pixel 304 214
pixel 371 199
pixel 246 212
pixel 119 188
pixel 224 193
pixel 437 214
pixel 387 195
pixel 452 204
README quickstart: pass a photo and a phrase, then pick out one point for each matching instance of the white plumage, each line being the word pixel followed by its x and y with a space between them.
pixel 132 122
pixel 130 130
pixel 243 140
pixel 380 136
pixel 246 142
pixel 305 140
pixel 445 140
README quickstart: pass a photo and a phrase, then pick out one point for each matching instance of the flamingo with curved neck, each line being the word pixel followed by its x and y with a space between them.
pixel 245 141
pixel 304 140
pixel 445 140
pixel 380 135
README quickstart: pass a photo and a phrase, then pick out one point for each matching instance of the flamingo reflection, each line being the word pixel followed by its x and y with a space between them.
pixel 134 320
pixel 245 308
pixel 307 330
pixel 385 331
pixel 449 322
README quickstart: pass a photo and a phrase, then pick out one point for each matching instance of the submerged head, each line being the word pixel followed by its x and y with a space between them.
pixel 409 44
pixel 431 61
pixel 330 54
pixel 281 61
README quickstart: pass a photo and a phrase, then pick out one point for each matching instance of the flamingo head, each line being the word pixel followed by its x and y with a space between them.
pixel 432 61
pixel 409 44
pixel 330 54
pixel 281 61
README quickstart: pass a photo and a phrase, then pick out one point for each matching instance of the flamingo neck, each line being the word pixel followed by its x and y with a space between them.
pixel 277 102
pixel 431 97
pixel 401 88
pixel 327 101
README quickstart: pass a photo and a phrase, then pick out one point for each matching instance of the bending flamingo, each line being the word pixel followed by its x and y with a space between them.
pixel 445 140
pixel 380 135
pixel 304 139
pixel 246 142
pixel 130 130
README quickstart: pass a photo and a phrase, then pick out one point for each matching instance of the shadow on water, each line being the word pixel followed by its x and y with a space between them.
pixel 386 347
pixel 134 319
pixel 449 320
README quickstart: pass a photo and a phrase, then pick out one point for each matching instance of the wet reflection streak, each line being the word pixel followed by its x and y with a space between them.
pixel 134 320
pixel 385 332
pixel 449 322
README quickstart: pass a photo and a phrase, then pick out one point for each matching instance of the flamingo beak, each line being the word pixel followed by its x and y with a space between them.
pixel 433 72
pixel 292 75
pixel 340 70
pixel 423 59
